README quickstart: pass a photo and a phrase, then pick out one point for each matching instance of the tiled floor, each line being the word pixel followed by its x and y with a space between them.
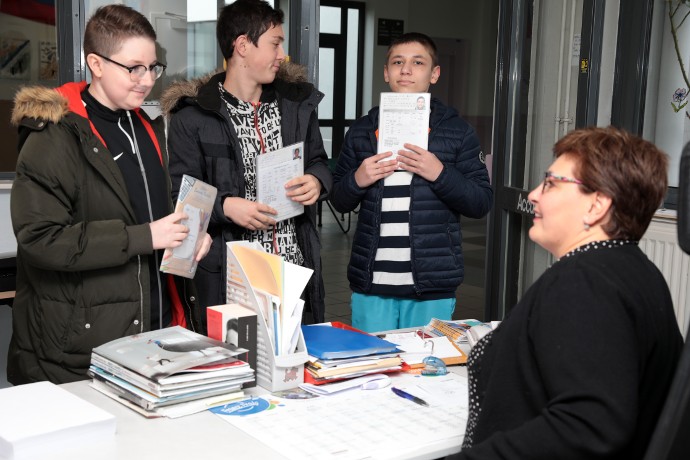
pixel 335 254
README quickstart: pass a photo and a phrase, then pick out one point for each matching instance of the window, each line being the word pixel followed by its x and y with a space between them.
pixel 186 42
pixel 28 56
pixel 667 118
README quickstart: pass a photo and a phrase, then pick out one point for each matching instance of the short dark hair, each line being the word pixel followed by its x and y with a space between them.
pixel 415 37
pixel 111 25
pixel 250 17
pixel 626 168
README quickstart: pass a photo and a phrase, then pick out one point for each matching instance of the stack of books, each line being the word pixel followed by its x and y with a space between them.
pixel 169 372
pixel 468 331
pixel 338 352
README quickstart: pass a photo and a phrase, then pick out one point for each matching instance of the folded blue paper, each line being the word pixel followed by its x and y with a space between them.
pixel 327 342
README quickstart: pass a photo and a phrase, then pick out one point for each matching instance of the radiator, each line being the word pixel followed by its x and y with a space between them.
pixel 660 243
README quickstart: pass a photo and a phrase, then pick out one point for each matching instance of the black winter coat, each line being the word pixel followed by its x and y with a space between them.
pixel 204 145
pixel 82 265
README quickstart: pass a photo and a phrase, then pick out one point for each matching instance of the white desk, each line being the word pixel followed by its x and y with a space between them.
pixel 195 436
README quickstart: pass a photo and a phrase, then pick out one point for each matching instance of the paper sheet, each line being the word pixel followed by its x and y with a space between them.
pixel 416 348
pixel 403 119
pixel 273 171
pixel 384 425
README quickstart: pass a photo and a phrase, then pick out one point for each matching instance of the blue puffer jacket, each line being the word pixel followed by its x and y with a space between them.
pixel 463 188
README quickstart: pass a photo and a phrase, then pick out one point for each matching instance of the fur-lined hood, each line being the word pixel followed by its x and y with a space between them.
pixel 179 90
pixel 39 102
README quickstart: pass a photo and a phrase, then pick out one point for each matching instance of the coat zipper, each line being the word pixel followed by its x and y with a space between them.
pixel 148 203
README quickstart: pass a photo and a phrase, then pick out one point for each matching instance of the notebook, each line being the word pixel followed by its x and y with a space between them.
pixel 327 342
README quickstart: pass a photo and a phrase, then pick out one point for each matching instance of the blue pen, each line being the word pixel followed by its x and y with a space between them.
pixel 406 395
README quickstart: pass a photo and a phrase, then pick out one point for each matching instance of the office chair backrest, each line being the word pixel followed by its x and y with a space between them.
pixel 671 437
pixel 684 201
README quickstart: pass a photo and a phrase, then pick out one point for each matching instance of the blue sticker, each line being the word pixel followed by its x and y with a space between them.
pixel 245 407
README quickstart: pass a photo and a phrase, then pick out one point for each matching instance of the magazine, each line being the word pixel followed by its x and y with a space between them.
pixel 161 353
pixel 183 380
pixel 196 200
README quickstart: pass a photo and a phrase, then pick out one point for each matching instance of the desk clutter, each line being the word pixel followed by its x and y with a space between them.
pixel 337 351
pixel 270 286
pixel 469 331
pixel 169 372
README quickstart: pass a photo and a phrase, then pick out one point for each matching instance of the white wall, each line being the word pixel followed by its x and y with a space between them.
pixel 457 19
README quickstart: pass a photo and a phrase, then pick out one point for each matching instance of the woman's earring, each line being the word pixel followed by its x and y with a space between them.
pixel 586 226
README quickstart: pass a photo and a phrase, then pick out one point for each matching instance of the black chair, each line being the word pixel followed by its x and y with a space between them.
pixel 671 437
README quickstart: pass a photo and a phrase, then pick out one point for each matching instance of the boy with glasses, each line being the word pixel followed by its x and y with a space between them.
pixel 91 209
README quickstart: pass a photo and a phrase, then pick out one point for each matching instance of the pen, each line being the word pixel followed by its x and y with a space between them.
pixel 404 394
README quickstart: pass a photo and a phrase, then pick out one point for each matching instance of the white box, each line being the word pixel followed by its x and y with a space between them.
pixel 41 418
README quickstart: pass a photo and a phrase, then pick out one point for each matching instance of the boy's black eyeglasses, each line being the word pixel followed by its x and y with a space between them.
pixel 137 72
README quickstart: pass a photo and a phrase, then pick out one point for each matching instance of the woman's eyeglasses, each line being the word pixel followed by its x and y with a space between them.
pixel 550 178
pixel 137 72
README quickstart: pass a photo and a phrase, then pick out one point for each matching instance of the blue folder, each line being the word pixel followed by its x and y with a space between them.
pixel 327 342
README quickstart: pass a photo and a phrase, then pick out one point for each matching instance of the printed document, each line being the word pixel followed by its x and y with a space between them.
pixel 403 119
pixel 383 425
pixel 273 171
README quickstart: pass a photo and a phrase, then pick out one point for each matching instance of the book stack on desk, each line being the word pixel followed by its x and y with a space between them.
pixel 468 331
pixel 169 372
pixel 338 352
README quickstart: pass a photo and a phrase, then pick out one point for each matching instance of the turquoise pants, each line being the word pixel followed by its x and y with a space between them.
pixel 372 313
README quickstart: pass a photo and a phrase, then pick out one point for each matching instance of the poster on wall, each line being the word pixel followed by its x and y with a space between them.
pixel 33 10
pixel 15 58
pixel 47 60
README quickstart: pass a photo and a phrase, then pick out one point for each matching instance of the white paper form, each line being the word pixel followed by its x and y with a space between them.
pixel 273 171
pixel 403 119
pixel 383 425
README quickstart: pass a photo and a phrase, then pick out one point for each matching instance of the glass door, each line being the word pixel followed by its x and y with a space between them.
pixel 341 37
pixel 509 218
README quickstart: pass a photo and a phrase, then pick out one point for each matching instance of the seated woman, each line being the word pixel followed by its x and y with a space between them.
pixel 580 367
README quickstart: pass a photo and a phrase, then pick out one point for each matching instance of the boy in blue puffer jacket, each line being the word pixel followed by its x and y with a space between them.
pixel 406 261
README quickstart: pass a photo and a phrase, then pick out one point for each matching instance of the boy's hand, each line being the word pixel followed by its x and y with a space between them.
pixel 248 214
pixel 168 232
pixel 373 169
pixel 419 161
pixel 305 189
pixel 203 246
